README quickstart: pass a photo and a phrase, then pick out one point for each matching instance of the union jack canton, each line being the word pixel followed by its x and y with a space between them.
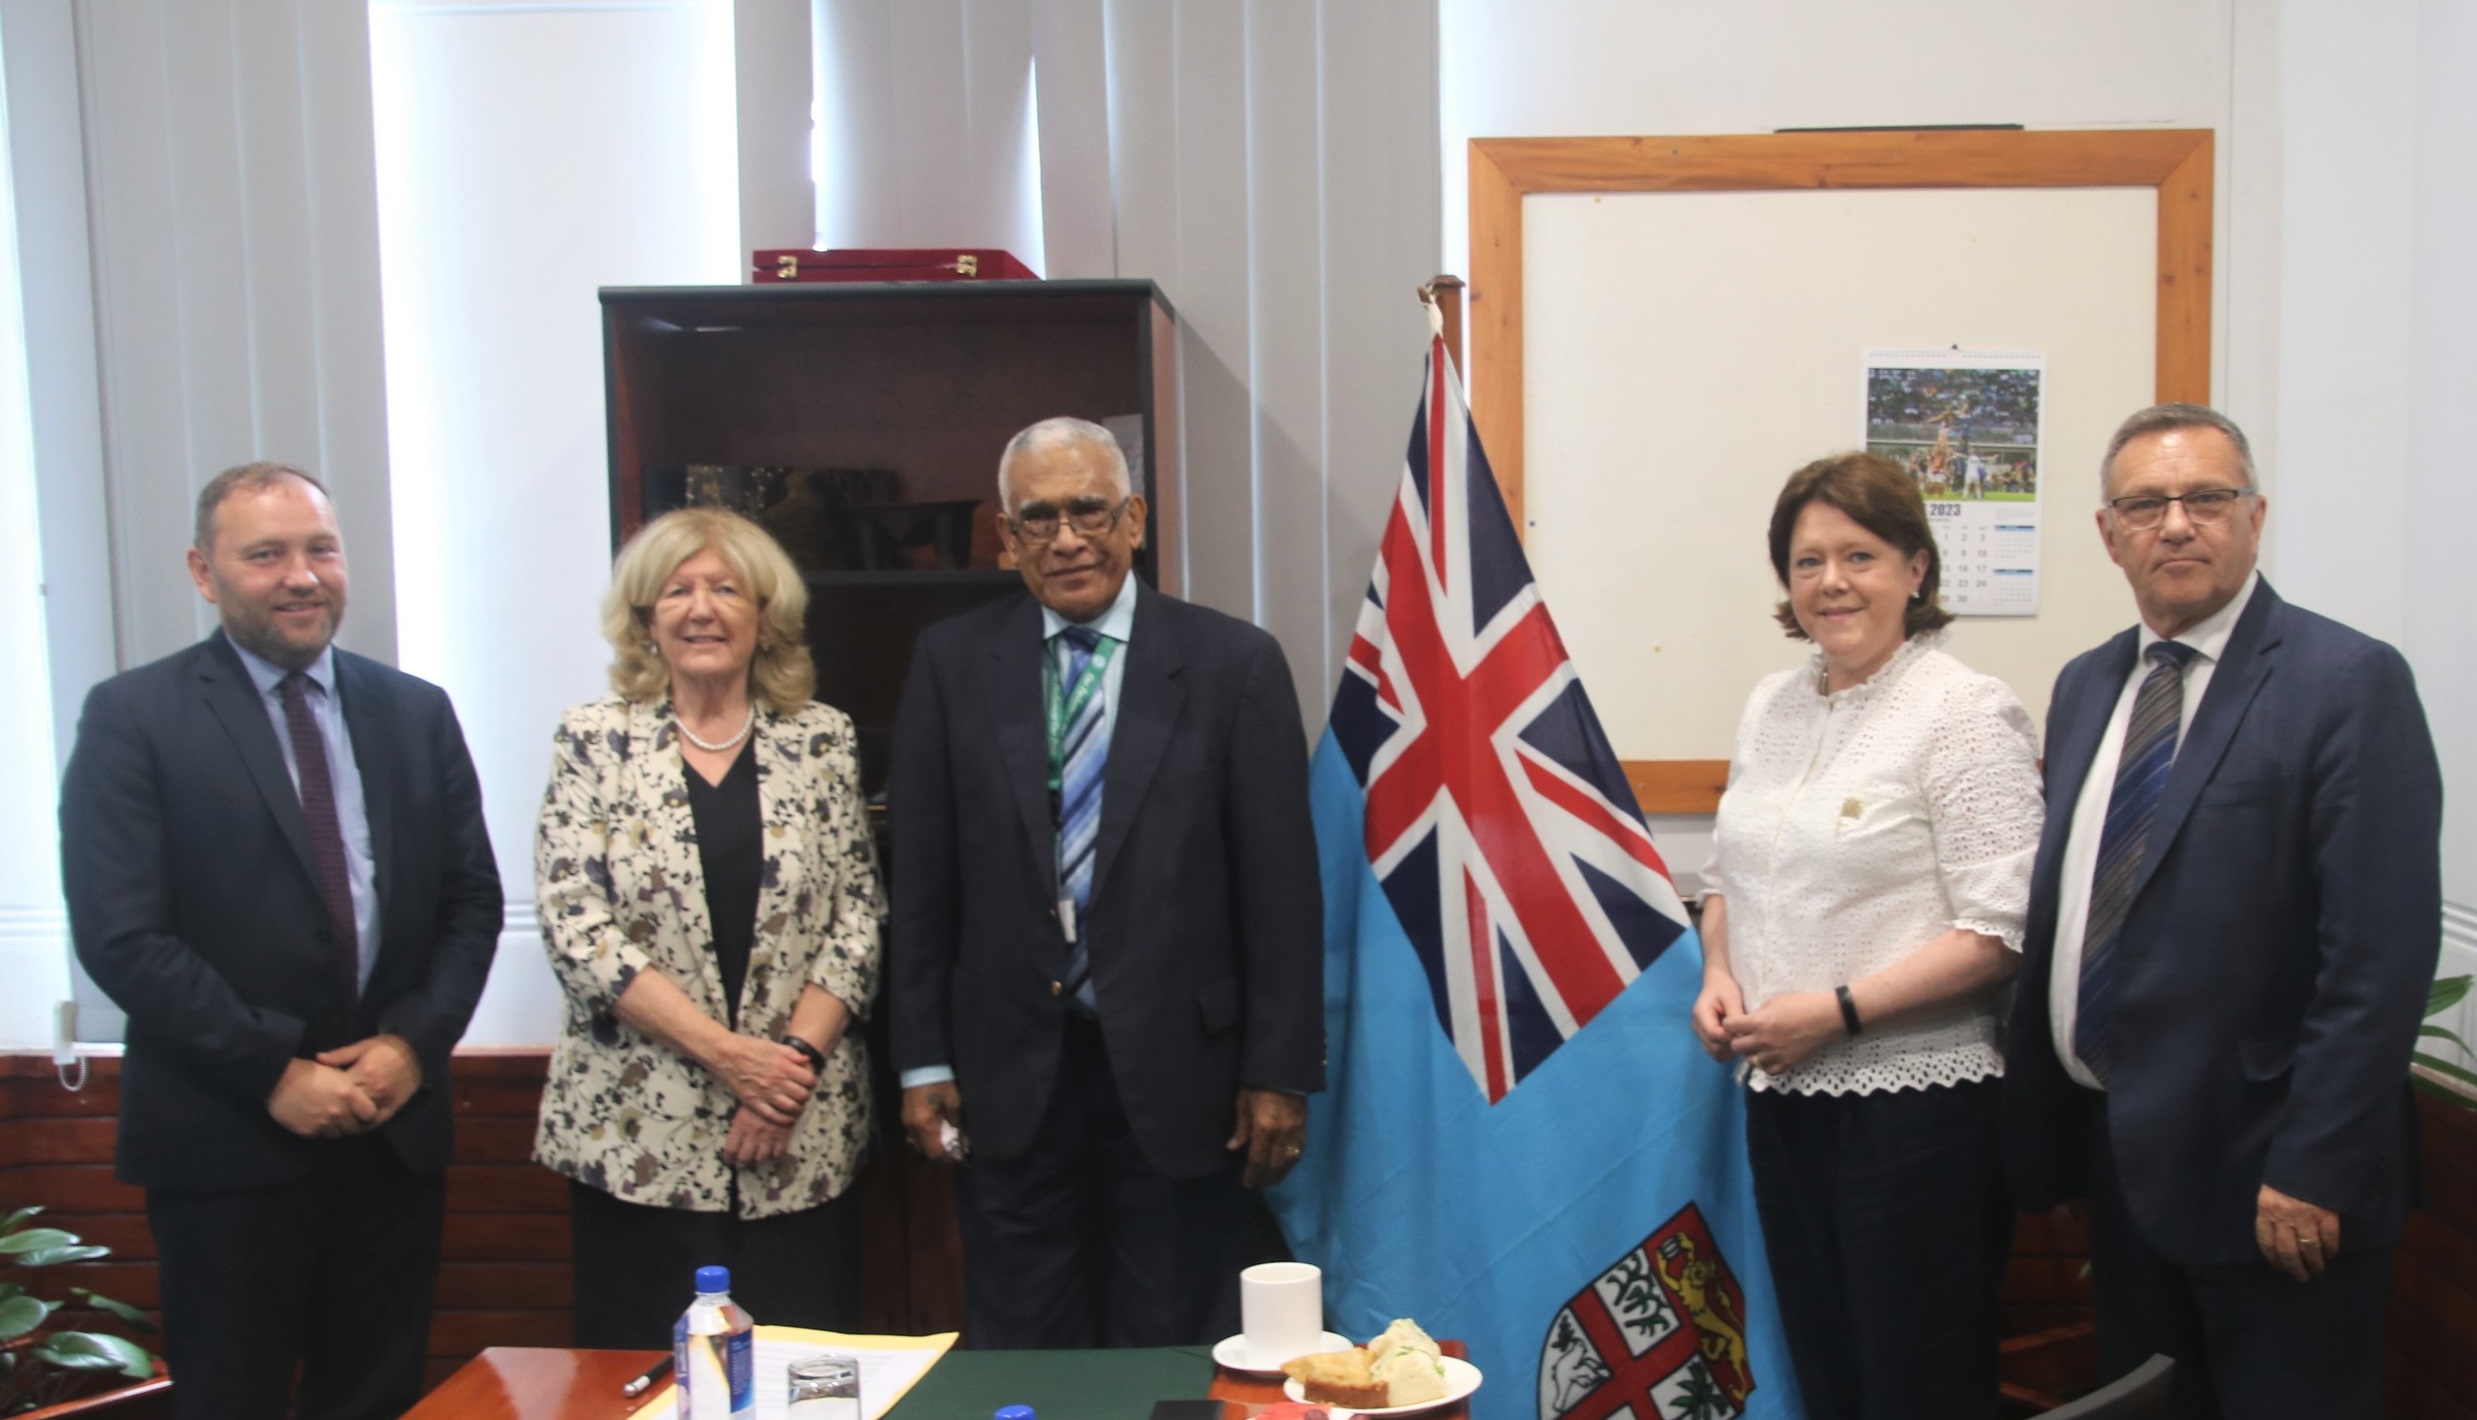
pixel 1498 819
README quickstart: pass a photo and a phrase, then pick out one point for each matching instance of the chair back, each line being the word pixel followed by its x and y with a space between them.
pixel 2141 1394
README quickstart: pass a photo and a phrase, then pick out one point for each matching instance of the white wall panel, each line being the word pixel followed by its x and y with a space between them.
pixel 1287 276
pixel 2338 506
pixel 1070 53
pixel 1207 117
pixel 774 78
pixel 494 253
pixel 1381 199
pixel 2441 497
pixel 2248 260
pixel 47 165
pixel 924 111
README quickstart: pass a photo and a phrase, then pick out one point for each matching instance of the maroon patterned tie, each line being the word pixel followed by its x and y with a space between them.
pixel 309 757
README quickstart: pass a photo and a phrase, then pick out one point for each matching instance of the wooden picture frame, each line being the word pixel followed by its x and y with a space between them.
pixel 2177 162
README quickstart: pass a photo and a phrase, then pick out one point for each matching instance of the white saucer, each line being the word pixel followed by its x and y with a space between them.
pixel 1230 1353
pixel 1461 1378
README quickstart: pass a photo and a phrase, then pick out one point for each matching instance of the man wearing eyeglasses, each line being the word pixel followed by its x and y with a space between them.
pixel 2234 918
pixel 1107 953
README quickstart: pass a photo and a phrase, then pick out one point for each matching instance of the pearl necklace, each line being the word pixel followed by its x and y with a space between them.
pixel 709 746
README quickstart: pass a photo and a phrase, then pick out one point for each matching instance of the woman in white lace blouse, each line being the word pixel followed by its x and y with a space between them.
pixel 1870 871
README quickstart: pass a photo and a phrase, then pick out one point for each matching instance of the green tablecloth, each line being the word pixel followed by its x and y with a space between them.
pixel 1058 1385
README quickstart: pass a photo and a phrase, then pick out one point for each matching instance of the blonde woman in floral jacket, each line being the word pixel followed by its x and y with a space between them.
pixel 711 904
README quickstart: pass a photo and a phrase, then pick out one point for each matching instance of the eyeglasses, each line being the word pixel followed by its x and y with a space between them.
pixel 2204 507
pixel 1090 517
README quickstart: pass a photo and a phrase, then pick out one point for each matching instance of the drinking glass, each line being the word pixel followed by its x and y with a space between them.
pixel 825 1386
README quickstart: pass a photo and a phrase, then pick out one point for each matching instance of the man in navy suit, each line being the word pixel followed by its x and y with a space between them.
pixel 1107 950
pixel 275 862
pixel 2234 918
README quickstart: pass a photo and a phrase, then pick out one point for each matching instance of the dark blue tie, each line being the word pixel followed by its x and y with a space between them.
pixel 2141 776
pixel 1083 762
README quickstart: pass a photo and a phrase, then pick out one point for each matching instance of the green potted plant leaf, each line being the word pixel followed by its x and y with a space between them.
pixel 40 1367
pixel 2446 993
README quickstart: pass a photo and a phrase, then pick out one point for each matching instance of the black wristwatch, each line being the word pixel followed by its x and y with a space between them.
pixel 816 1058
pixel 1849 1009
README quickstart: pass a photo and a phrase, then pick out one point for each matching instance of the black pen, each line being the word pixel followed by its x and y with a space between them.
pixel 642 1383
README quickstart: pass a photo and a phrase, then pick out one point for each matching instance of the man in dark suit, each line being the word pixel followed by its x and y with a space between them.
pixel 2234 917
pixel 275 862
pixel 1107 952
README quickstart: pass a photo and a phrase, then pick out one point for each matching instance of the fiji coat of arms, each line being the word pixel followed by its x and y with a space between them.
pixel 1659 1335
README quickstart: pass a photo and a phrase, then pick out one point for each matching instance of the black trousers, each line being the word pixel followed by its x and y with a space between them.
pixel 635 1267
pixel 2249 1341
pixel 1081 1242
pixel 1888 1227
pixel 334 1272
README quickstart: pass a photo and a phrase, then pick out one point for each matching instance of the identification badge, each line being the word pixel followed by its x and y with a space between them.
pixel 1066 917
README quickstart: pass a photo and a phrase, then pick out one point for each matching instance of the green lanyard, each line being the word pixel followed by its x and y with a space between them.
pixel 1063 709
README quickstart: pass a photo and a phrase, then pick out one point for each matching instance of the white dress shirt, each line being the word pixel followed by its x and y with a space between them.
pixel 2209 639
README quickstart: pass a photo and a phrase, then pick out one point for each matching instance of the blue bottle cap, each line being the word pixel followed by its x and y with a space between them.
pixel 713 1279
pixel 1013 1412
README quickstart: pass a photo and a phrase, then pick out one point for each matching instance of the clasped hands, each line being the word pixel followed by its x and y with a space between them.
pixel 349 1090
pixel 772 1082
pixel 1787 1029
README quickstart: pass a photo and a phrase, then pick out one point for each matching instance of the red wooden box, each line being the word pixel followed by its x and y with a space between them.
pixel 889 264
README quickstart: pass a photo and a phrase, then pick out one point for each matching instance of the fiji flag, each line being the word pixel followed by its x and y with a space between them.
pixel 1521 1144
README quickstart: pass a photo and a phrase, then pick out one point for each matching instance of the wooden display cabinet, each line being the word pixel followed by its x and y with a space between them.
pixel 891 403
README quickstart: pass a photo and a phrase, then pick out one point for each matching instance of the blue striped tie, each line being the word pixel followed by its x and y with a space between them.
pixel 2141 775
pixel 1083 763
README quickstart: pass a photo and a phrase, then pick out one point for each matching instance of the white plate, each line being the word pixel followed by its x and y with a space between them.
pixel 1231 1354
pixel 1461 1378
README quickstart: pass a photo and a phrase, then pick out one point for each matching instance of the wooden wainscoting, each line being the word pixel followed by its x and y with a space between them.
pixel 503 1268
pixel 2429 1351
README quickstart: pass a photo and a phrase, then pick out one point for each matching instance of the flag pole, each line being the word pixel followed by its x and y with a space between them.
pixel 1442 295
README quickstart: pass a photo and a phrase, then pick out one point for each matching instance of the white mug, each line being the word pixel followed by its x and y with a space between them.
pixel 1282 1307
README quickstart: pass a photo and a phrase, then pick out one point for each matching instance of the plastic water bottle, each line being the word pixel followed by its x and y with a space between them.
pixel 713 1353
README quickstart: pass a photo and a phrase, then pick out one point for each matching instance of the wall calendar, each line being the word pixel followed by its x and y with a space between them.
pixel 1967 426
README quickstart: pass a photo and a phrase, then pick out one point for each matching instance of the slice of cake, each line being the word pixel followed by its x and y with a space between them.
pixel 1339 1378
